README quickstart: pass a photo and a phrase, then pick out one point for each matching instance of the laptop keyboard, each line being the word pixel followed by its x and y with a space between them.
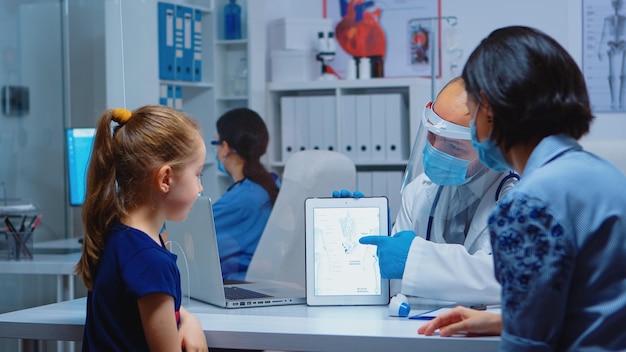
pixel 233 292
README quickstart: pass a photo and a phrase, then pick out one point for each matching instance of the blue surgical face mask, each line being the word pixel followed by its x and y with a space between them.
pixel 488 152
pixel 220 166
pixel 444 169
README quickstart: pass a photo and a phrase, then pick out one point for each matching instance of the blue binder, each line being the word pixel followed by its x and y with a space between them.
pixel 178 41
pixel 178 98
pixel 163 94
pixel 183 43
pixel 170 95
pixel 197 46
pixel 166 41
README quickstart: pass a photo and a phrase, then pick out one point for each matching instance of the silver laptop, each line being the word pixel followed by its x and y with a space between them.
pixel 194 241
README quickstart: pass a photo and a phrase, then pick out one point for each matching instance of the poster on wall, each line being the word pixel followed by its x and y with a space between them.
pixel 398 32
pixel 604 54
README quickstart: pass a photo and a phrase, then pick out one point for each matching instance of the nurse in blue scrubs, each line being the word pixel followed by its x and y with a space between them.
pixel 242 212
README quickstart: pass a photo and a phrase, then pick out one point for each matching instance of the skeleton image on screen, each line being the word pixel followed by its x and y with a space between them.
pixel 348 228
pixel 613 44
pixel 342 265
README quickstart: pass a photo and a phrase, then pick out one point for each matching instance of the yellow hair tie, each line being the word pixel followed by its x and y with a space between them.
pixel 121 116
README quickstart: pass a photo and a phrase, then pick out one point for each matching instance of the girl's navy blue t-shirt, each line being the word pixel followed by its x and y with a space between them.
pixel 132 266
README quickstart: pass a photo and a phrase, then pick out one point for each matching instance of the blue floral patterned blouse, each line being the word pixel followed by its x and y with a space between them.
pixel 559 245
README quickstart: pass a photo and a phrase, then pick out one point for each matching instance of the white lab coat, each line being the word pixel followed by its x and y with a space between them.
pixel 447 271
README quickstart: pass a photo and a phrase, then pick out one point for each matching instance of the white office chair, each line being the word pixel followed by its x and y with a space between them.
pixel 279 255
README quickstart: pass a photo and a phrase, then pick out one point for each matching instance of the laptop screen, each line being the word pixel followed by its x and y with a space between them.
pixel 78 144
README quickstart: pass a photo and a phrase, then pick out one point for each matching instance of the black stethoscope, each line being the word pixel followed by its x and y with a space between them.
pixel 432 209
pixel 235 185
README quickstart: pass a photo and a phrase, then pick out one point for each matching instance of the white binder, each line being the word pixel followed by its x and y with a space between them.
pixel 287 127
pixel 301 116
pixel 316 122
pixel 378 116
pixel 363 128
pixel 397 128
pixel 347 126
pixel 329 120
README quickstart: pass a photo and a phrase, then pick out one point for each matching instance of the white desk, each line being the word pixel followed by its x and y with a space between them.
pixel 292 328
pixel 61 265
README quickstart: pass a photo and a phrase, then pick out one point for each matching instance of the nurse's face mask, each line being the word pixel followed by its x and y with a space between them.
pixel 443 151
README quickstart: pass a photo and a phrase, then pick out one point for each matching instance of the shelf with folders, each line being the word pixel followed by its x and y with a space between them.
pixel 372 121
pixel 185 37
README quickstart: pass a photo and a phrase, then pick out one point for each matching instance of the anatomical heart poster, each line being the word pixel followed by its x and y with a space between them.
pixel 404 33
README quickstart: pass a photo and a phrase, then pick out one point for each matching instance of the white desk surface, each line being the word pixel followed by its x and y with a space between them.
pixel 61 265
pixel 52 264
pixel 292 328
pixel 72 243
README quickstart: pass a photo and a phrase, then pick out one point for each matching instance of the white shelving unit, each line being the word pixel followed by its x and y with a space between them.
pixel 411 89
pixel 227 56
pixel 231 89
pixel 375 177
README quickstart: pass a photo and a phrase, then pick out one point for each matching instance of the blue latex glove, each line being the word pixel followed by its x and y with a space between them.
pixel 392 252
pixel 346 194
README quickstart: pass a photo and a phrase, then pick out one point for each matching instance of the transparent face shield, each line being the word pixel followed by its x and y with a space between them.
pixel 443 151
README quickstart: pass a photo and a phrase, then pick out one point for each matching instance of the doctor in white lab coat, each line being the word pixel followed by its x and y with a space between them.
pixel 440 246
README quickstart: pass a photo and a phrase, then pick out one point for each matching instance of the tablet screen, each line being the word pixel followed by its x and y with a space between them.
pixel 340 270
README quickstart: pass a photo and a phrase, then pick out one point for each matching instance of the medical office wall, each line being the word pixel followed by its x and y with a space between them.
pixel 561 19
pixel 33 54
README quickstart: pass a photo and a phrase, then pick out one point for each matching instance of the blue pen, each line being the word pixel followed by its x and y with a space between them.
pixel 423 316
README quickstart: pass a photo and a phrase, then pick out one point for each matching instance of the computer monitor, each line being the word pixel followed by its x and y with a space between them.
pixel 78 142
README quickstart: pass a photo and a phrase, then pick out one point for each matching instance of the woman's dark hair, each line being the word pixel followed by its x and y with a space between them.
pixel 533 85
pixel 245 132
